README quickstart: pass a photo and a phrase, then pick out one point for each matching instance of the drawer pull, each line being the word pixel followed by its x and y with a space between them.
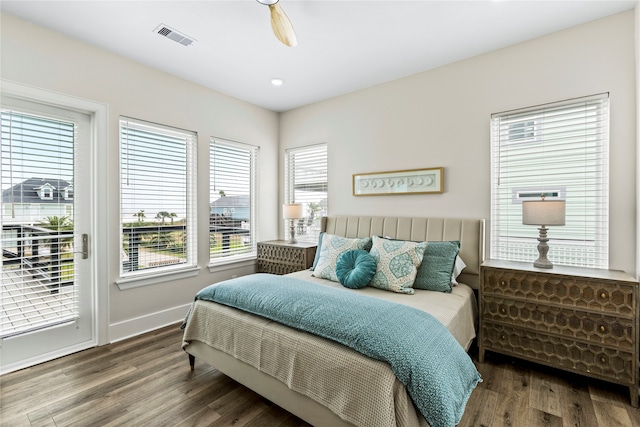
pixel 503 310
pixel 503 337
pixel 603 360
pixel 602 328
pixel 503 283
pixel 603 295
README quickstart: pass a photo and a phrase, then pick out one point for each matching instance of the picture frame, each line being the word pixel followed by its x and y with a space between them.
pixel 412 181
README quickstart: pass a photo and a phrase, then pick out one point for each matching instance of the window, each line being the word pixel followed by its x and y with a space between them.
pixel 157 197
pixel 560 150
pixel 46 192
pixel 521 131
pixel 67 193
pixel 306 183
pixel 233 176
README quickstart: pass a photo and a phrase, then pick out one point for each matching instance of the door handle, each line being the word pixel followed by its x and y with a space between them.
pixel 85 246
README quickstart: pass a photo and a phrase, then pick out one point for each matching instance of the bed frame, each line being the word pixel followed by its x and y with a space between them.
pixel 470 233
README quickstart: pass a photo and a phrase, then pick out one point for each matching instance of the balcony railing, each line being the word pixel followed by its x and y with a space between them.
pixel 136 238
pixel 39 251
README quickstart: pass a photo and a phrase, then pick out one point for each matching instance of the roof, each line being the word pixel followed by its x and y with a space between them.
pixel 26 191
pixel 241 201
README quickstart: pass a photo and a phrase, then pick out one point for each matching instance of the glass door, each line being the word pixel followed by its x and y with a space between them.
pixel 46 296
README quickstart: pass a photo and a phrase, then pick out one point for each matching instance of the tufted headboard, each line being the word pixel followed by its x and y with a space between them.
pixel 470 233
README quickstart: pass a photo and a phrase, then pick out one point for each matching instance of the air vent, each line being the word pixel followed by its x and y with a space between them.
pixel 174 35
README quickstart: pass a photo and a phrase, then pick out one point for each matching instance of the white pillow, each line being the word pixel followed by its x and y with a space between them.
pixel 457 269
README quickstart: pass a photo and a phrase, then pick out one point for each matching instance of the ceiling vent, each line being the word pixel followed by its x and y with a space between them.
pixel 174 35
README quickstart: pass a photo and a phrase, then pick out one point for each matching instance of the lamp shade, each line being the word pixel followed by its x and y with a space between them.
pixel 292 211
pixel 543 212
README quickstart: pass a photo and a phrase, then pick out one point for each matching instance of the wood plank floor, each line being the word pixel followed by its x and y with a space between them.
pixel 146 381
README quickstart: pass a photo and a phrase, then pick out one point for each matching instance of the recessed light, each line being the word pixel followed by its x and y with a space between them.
pixel 277 81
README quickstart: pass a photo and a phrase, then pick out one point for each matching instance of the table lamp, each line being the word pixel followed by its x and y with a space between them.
pixel 543 213
pixel 292 211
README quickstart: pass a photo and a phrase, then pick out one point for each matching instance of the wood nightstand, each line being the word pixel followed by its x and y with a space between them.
pixel 281 257
pixel 577 319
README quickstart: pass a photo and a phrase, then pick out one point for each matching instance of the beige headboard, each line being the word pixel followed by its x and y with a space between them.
pixel 470 233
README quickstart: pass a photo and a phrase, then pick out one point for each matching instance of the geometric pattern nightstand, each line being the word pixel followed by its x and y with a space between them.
pixel 577 319
pixel 281 257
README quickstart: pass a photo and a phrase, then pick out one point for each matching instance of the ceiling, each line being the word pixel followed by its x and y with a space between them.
pixel 343 46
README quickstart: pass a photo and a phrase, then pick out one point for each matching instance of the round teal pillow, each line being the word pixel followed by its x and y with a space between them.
pixel 355 268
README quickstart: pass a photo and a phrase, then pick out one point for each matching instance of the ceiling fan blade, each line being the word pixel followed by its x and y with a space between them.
pixel 281 25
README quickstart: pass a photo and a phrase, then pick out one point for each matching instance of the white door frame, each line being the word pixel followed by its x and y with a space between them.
pixel 98 242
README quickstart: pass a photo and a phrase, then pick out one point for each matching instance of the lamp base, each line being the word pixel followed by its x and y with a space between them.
pixel 292 232
pixel 543 249
pixel 542 263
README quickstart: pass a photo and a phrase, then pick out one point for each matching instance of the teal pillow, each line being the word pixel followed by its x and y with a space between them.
pixel 355 268
pixel 332 247
pixel 434 274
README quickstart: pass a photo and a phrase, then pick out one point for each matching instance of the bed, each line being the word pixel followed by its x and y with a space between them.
pixel 323 382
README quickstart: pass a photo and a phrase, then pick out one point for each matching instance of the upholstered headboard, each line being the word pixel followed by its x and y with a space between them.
pixel 470 233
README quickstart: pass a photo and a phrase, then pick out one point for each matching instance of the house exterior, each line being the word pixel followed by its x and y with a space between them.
pixel 33 200
pixel 232 207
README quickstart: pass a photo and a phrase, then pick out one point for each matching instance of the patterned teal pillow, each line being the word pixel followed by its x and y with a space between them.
pixel 397 264
pixel 332 247
pixel 355 269
pixel 434 274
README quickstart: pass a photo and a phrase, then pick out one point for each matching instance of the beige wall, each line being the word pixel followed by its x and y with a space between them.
pixel 441 118
pixel 436 118
pixel 38 57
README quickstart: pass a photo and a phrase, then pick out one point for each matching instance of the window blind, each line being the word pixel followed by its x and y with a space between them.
pixel 157 197
pixel 560 150
pixel 38 288
pixel 306 182
pixel 233 193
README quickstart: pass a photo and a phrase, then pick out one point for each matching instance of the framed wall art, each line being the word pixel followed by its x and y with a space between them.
pixel 415 181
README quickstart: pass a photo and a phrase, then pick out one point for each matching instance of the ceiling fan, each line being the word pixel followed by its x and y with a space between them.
pixel 280 24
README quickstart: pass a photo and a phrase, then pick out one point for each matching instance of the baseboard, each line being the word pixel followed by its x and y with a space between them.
pixel 26 363
pixel 147 323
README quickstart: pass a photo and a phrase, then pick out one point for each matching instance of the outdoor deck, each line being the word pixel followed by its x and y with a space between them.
pixel 28 303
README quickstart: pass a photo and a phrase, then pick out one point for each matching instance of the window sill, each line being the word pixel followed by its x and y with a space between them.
pixel 223 265
pixel 146 279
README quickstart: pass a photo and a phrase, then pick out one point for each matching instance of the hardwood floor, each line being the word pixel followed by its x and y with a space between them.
pixel 146 381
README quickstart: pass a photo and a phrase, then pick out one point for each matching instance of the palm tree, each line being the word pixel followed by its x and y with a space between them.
pixel 161 240
pixel 140 215
pixel 163 215
pixel 59 224
pixel 172 215
pixel 313 208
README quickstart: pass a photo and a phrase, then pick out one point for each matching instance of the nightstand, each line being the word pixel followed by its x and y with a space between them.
pixel 281 257
pixel 576 319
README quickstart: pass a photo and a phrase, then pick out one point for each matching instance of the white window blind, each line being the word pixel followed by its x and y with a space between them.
pixel 306 182
pixel 232 217
pixel 157 197
pixel 38 288
pixel 560 150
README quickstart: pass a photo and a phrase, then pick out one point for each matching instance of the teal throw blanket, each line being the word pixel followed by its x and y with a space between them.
pixel 438 374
